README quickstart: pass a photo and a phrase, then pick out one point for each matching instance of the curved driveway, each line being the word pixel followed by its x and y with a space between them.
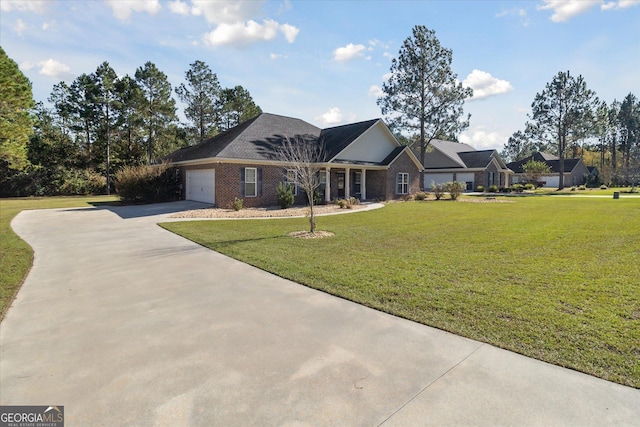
pixel 125 323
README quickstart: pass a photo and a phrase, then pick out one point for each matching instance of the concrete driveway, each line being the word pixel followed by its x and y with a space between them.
pixel 124 323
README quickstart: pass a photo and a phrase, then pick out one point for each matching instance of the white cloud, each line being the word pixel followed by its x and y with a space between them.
pixel 331 117
pixel 349 52
pixel 227 11
pixel 20 26
pixel 480 139
pixel 239 34
pixel 179 7
pixel 275 56
pixel 26 65
pixel 620 4
pixel 290 32
pixel 37 6
pixel 519 13
pixel 485 85
pixel 122 9
pixel 376 91
pixel 55 69
pixel 563 10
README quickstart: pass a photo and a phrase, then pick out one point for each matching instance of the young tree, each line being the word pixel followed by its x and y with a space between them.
pixel 423 94
pixel 15 122
pixel 201 95
pixel 563 113
pixel 533 170
pixel 302 157
pixel 159 111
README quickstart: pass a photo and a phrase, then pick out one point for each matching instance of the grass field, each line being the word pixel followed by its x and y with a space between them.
pixel 557 279
pixel 16 256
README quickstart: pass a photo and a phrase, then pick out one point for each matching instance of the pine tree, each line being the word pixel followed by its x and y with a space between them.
pixel 423 93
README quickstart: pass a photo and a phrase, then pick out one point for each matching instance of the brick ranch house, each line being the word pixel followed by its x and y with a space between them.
pixel 447 161
pixel 575 171
pixel 363 160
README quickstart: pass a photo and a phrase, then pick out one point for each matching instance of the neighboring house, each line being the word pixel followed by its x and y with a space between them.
pixel 575 171
pixel 362 160
pixel 447 161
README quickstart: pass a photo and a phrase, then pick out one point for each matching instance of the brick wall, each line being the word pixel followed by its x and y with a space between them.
pixel 406 165
pixel 228 184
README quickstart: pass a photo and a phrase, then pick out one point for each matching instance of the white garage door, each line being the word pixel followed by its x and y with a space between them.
pixel 552 181
pixel 466 178
pixel 201 186
pixel 438 178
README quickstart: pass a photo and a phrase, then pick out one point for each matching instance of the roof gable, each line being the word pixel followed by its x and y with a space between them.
pixel 369 141
pixel 445 154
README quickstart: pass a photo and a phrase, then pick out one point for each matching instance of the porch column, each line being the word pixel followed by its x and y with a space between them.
pixel 347 190
pixel 363 185
pixel 327 188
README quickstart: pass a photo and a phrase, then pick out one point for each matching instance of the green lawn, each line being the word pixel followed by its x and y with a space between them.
pixel 16 256
pixel 557 279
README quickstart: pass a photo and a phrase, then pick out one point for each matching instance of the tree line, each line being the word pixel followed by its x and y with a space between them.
pixel 102 121
pixel 569 120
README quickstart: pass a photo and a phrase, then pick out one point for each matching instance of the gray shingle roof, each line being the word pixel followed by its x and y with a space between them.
pixel 254 139
pixel 553 163
pixel 476 159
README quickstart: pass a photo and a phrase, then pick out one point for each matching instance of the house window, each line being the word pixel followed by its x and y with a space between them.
pixel 492 178
pixel 402 183
pixel 291 180
pixel 250 182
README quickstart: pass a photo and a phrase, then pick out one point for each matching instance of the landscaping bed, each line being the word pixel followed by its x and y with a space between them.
pixel 270 212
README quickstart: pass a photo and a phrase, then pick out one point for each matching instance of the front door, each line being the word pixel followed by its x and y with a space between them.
pixel 340 176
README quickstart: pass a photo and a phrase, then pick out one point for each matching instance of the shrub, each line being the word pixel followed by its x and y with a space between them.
pixel 573 188
pixel 603 187
pixel 285 195
pixel 493 189
pixel 455 188
pixel 157 183
pixel 582 187
pixel 420 195
pixel 438 190
pixel 517 188
pixel 347 203
pixel 237 204
pixel 529 186
pixel 480 188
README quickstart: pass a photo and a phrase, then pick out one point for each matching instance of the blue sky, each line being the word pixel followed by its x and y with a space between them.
pixel 325 61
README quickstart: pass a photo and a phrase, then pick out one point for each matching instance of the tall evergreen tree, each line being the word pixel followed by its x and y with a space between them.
pixel 16 100
pixel 83 98
pixel 159 111
pixel 106 80
pixel 201 95
pixel 423 93
pixel 563 113
pixel 129 102
pixel 237 107
pixel 629 120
